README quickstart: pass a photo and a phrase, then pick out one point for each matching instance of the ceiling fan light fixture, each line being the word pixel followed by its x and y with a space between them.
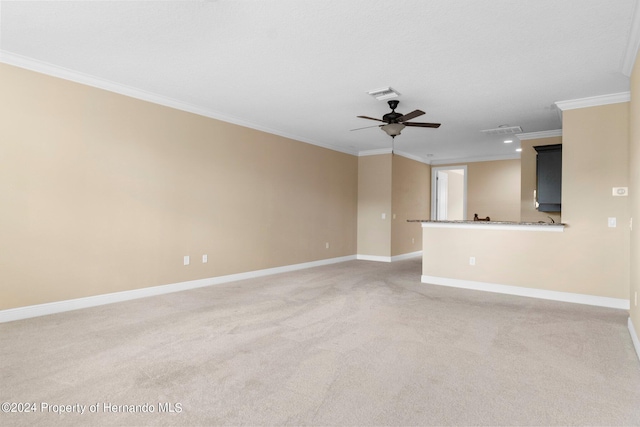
pixel 393 129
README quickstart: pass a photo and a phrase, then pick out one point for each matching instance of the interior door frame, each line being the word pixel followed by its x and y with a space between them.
pixel 434 189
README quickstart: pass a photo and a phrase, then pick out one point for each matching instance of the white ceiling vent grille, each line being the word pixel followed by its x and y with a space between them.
pixel 506 130
pixel 384 93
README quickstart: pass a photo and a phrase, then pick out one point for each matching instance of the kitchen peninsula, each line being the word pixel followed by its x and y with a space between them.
pixel 534 259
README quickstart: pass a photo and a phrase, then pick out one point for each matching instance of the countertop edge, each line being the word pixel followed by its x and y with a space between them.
pixel 492 225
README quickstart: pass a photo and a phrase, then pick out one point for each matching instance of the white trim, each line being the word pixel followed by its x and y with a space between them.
pixel 482 225
pixel 97 300
pixel 475 159
pixel 632 43
pixel 374 152
pixel 403 257
pixel 622 304
pixel 86 79
pixel 539 135
pixel 378 258
pixel 412 157
pixel 434 189
pixel 594 101
pixel 373 258
pixel 389 151
pixel 442 162
pixel 634 337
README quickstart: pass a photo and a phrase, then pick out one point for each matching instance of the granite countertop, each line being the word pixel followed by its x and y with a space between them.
pixel 542 224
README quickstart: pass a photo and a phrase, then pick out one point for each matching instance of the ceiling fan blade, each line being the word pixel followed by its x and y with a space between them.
pixel 367 127
pixel 411 115
pixel 370 118
pixel 422 125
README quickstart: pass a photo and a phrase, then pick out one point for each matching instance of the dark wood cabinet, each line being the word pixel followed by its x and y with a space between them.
pixel 549 177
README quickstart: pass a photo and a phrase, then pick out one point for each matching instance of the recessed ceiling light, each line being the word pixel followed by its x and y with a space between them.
pixel 518 149
pixel 508 141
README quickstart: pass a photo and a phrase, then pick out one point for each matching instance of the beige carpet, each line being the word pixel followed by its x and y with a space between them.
pixel 357 343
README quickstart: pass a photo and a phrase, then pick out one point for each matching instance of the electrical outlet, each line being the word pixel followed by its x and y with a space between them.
pixel 186 260
pixel 472 260
pixel 205 259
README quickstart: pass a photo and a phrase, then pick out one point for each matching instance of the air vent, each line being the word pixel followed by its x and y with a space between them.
pixel 384 93
pixel 506 130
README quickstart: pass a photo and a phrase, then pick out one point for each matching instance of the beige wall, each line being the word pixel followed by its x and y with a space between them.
pixel 588 258
pixel 411 197
pixel 104 193
pixel 528 211
pixel 374 199
pixel 493 189
pixel 514 258
pixel 595 153
pixel 634 182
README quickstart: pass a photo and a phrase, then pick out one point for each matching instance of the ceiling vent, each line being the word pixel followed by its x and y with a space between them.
pixel 384 93
pixel 503 130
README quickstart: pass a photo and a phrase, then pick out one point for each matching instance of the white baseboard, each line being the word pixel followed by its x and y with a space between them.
pixel 389 258
pixel 623 304
pixel 97 300
pixel 406 256
pixel 634 337
pixel 374 258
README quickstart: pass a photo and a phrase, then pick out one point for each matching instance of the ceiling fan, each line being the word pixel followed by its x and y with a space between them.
pixel 395 122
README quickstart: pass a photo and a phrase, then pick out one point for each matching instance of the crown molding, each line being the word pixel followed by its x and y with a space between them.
pixel 457 160
pixel 380 151
pixel 412 157
pixel 539 135
pixel 633 43
pixel 89 80
pixel 374 152
pixel 434 162
pixel 594 101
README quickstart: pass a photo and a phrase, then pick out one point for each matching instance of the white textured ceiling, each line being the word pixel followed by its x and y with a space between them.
pixel 302 68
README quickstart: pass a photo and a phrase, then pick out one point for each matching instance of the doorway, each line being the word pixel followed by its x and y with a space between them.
pixel 449 193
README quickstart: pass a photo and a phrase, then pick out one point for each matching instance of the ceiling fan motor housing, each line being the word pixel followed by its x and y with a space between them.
pixel 392 117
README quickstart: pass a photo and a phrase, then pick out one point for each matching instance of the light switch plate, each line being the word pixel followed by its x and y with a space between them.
pixel 612 222
pixel 620 191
